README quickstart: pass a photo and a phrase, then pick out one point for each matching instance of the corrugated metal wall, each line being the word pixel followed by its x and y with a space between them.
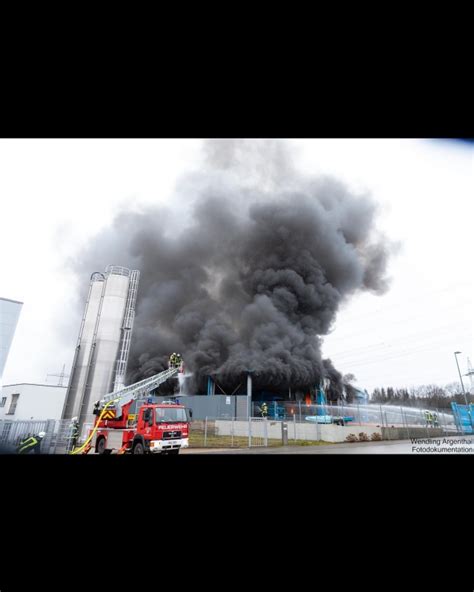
pixel 215 406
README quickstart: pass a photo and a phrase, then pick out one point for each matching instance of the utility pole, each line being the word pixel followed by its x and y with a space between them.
pixel 470 373
pixel 249 394
pixel 460 377
pixel 60 376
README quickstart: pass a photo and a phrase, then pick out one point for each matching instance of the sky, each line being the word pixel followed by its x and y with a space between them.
pixel 56 194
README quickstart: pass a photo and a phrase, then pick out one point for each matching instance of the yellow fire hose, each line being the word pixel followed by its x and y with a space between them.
pixel 78 450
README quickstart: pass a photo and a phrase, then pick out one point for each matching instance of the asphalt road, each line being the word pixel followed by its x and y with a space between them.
pixel 425 446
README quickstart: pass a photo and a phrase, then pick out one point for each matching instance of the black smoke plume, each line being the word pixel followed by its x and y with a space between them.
pixel 246 269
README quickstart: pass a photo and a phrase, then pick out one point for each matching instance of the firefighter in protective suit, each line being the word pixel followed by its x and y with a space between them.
pixel 175 360
pixel 31 443
pixel 264 409
pixel 73 434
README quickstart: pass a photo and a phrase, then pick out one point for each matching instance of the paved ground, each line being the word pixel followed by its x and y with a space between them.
pixel 392 447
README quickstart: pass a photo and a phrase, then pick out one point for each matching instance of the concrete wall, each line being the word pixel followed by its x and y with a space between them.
pixel 413 432
pixel 335 433
pixel 325 432
pixel 303 430
pixel 35 401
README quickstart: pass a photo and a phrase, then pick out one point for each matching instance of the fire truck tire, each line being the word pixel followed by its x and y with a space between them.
pixel 100 446
pixel 138 448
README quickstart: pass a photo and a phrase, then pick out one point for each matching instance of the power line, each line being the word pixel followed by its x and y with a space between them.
pixel 435 331
pixel 381 359
pixel 390 323
pixel 404 303
pixel 392 348
pixel 390 355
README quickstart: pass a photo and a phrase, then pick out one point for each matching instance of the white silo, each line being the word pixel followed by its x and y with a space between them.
pixel 103 346
pixel 9 313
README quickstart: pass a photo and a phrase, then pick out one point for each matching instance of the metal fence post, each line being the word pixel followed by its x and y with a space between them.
pixel 205 433
pixel 294 426
pixel 299 405
pixel 57 429
pixel 443 417
pixel 404 417
pixel 250 432
pixel 232 432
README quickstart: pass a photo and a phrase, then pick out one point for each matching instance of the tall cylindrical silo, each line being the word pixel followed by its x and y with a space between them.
pixel 102 351
pixel 101 375
pixel 85 342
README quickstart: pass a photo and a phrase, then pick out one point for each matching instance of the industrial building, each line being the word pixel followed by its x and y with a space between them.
pixel 101 356
pixel 9 314
pixel 27 401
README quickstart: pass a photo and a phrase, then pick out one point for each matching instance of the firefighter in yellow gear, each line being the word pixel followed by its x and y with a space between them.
pixel 175 360
pixel 31 443
pixel 264 409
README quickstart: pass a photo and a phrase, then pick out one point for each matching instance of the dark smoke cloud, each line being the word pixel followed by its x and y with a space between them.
pixel 246 270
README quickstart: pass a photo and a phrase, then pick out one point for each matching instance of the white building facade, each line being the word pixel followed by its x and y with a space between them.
pixel 31 401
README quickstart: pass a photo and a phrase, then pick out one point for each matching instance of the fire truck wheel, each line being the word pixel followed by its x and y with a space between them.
pixel 100 446
pixel 138 448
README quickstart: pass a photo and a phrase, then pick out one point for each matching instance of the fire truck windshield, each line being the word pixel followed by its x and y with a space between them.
pixel 164 414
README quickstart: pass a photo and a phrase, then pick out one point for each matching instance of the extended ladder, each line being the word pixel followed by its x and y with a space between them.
pixel 137 390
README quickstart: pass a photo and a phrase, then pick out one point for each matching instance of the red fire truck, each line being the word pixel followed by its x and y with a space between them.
pixel 153 428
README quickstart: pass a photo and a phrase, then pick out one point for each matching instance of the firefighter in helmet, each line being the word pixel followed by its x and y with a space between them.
pixel 175 360
pixel 73 433
pixel 264 409
pixel 428 418
pixel 31 443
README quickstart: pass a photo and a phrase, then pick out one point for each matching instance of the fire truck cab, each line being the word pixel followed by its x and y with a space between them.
pixel 158 428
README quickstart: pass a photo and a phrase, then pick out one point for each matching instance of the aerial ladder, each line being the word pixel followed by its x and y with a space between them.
pixel 113 423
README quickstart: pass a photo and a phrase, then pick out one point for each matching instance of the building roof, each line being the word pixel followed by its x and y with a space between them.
pixel 10 300
pixel 34 384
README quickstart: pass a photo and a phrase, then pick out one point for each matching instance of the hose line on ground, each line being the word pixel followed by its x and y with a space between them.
pixel 80 449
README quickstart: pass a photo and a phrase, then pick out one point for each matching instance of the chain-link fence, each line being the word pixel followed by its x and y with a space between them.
pixel 203 433
pixel 57 439
pixel 242 432
pixel 319 425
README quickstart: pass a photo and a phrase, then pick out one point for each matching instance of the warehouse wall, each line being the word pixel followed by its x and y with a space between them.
pixel 213 406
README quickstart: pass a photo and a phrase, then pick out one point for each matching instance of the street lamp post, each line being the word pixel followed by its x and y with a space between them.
pixel 249 394
pixel 460 377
